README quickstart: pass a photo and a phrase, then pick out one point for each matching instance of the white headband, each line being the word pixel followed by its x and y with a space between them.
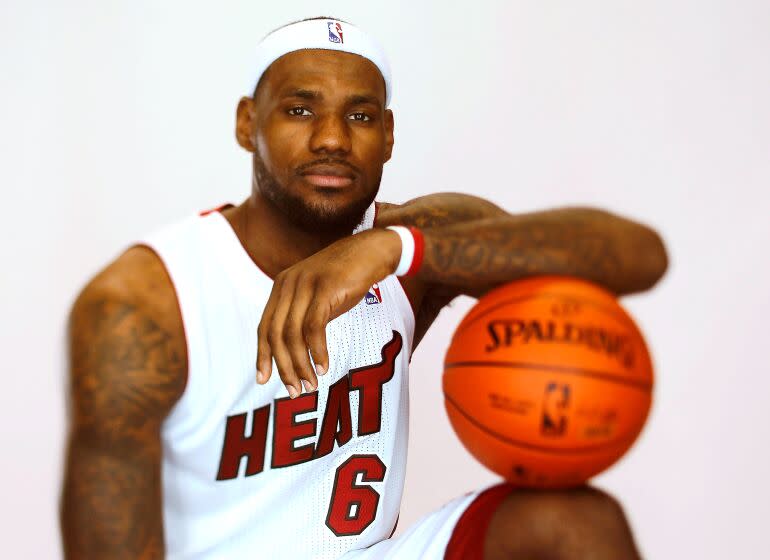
pixel 326 34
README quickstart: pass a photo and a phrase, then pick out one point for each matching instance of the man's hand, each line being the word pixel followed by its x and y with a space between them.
pixel 307 296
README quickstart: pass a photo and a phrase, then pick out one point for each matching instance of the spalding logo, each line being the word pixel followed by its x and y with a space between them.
pixel 507 332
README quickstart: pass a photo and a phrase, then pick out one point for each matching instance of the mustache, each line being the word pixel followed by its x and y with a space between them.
pixel 327 161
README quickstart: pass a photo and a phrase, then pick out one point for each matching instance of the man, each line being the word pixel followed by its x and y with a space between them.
pixel 176 451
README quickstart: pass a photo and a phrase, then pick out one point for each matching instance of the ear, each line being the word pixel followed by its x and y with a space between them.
pixel 389 137
pixel 244 123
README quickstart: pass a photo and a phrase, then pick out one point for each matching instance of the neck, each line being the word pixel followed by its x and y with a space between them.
pixel 272 241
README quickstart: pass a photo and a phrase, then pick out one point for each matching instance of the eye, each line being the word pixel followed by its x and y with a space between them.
pixel 299 112
pixel 361 117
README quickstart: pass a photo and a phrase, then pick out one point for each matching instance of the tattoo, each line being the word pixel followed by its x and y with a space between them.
pixel 591 245
pixel 472 246
pixel 438 210
pixel 126 373
pixel 430 212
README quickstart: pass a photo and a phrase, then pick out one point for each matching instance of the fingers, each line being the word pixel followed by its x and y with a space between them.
pixel 293 334
pixel 264 350
pixel 314 333
pixel 276 335
pixel 292 323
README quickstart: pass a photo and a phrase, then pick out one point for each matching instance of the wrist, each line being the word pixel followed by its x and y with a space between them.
pixel 411 250
pixel 390 243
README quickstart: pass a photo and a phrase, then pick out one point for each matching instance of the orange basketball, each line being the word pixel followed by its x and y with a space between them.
pixel 547 381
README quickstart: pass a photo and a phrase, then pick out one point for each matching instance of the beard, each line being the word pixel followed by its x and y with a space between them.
pixel 326 218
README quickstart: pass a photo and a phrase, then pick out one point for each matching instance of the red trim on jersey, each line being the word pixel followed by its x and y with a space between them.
pixel 396 525
pixel 224 206
pixel 468 536
pixel 419 250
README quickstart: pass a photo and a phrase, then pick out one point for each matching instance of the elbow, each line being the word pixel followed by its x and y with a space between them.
pixel 656 257
pixel 644 255
pixel 648 260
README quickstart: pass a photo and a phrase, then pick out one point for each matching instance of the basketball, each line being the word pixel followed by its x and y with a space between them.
pixel 547 381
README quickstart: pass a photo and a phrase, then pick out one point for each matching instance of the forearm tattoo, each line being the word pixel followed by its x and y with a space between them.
pixel 590 245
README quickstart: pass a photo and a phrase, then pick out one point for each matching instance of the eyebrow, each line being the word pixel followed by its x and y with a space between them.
pixel 360 99
pixel 302 94
pixel 310 95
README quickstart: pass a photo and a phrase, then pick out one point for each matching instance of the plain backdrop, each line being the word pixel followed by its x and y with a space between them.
pixel 117 117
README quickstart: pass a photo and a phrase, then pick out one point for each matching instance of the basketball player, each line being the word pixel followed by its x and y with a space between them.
pixel 321 294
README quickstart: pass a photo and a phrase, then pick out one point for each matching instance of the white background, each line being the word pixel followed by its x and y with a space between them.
pixel 117 117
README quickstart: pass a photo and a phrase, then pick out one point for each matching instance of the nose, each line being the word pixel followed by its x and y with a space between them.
pixel 330 135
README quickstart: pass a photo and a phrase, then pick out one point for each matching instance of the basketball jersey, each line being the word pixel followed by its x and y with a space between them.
pixel 249 472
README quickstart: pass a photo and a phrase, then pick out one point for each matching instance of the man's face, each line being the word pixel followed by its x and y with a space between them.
pixel 320 136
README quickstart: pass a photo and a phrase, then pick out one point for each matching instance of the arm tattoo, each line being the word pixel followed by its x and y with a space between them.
pixel 593 245
pixel 126 373
pixel 433 211
pixel 471 246
pixel 438 210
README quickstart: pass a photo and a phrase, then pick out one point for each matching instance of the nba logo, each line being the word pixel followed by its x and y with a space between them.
pixel 335 31
pixel 373 296
pixel 555 404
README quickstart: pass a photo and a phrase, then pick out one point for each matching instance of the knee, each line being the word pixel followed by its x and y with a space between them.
pixel 549 510
pixel 556 524
pixel 590 504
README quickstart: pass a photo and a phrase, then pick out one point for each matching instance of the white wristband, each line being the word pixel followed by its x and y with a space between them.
pixel 407 249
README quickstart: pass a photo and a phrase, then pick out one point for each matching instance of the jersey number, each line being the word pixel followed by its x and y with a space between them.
pixel 354 506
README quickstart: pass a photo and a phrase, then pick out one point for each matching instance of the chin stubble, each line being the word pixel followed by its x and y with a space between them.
pixel 310 218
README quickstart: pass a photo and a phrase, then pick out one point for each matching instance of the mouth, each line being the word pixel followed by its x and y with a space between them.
pixel 328 176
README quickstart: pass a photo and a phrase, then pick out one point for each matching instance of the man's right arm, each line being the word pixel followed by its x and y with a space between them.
pixel 128 367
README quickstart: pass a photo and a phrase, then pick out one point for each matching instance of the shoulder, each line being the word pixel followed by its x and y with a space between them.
pixel 126 337
pixel 137 280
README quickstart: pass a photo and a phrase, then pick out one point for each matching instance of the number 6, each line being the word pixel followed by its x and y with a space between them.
pixel 353 506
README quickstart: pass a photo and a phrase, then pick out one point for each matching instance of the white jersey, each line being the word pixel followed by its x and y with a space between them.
pixel 249 472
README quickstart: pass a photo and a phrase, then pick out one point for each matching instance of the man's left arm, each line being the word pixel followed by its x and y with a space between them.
pixel 471 246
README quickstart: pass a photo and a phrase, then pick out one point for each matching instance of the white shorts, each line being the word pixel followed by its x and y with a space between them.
pixel 428 537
